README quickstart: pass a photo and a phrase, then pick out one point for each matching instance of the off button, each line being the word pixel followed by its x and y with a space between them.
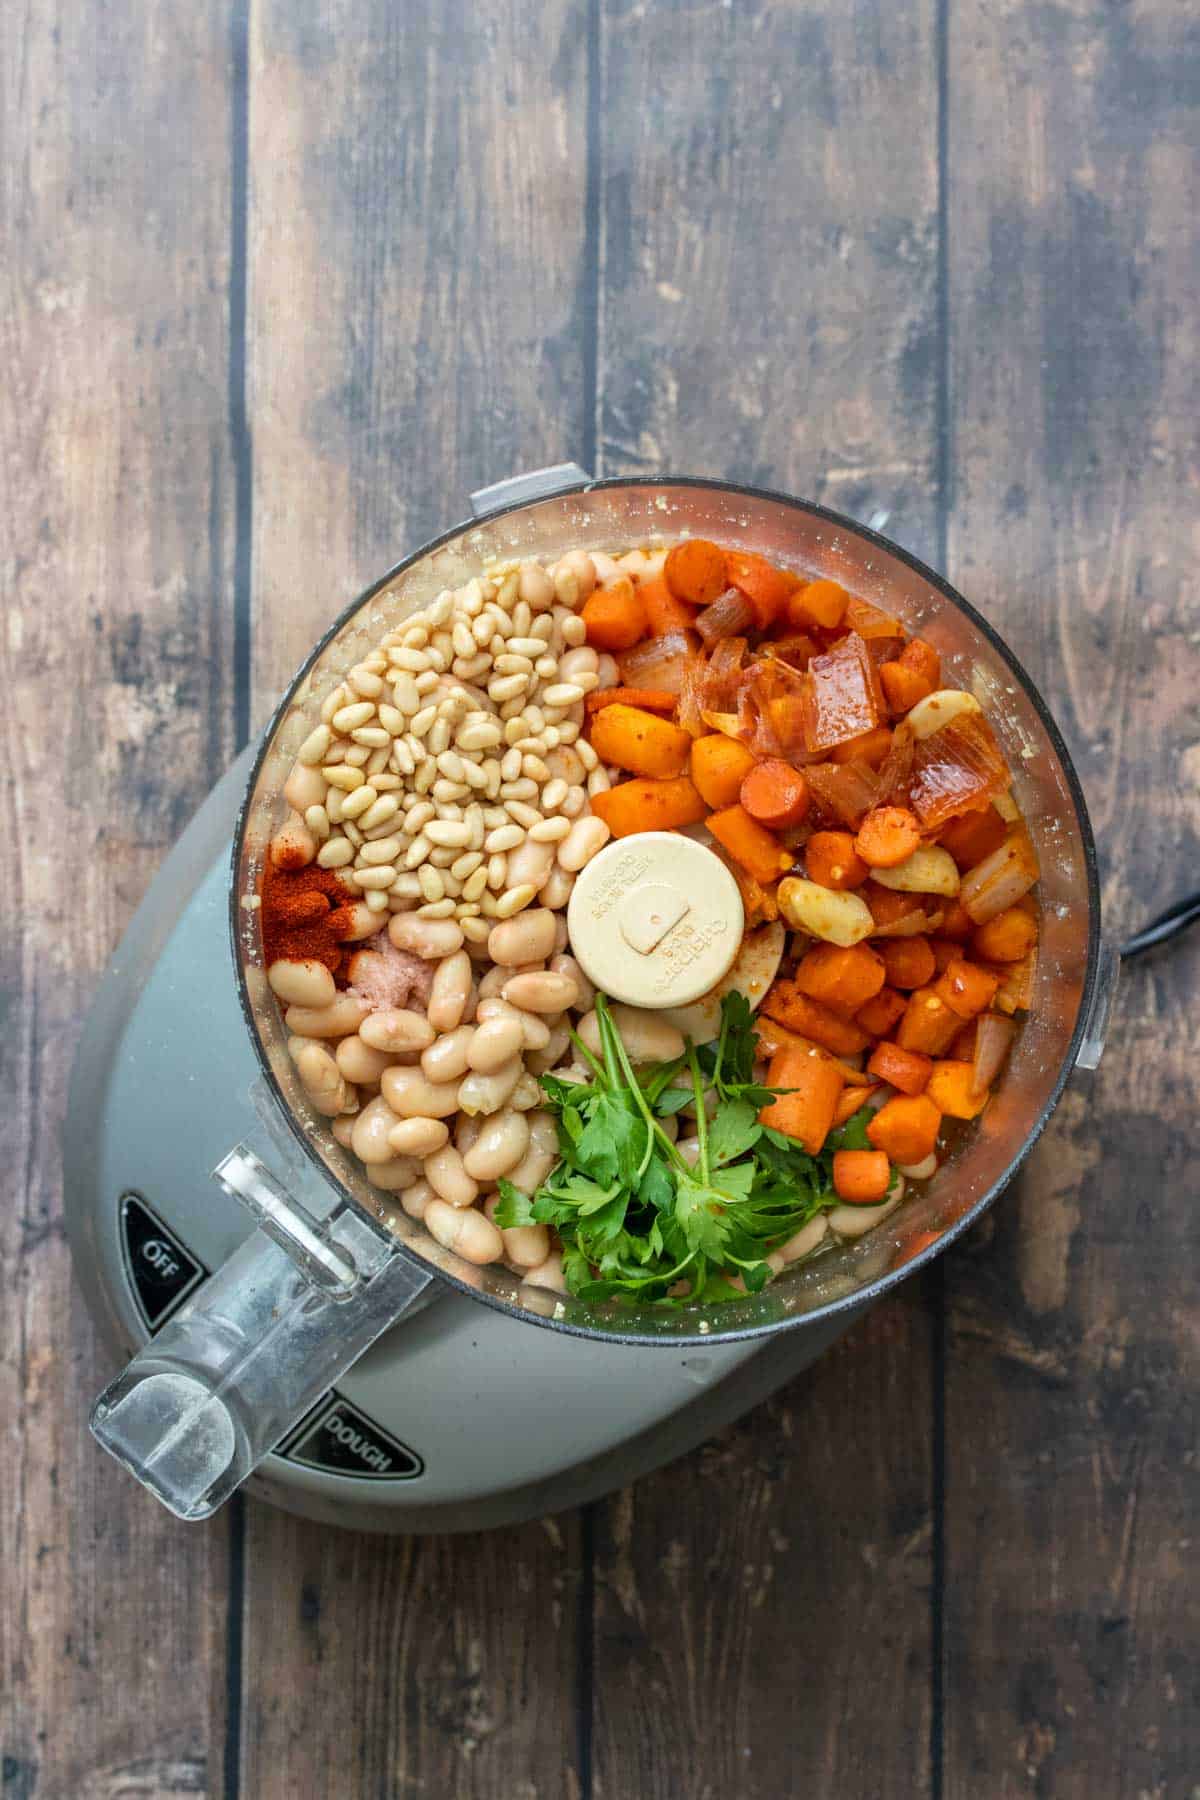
pixel 161 1272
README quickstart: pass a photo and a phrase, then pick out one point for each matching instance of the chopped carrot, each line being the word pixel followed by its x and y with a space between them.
pixel 889 908
pixel 950 1090
pixel 614 617
pixel 902 687
pixel 906 1128
pixel 640 742
pixel 962 1046
pixel 1006 938
pixel 760 903
pixel 861 1177
pixel 656 700
pixel 909 961
pixel 720 764
pixel 973 836
pixel 956 922
pixel 919 655
pixel 871 748
pixel 820 603
pixel 767 588
pixel 852 1100
pixel 695 571
pixel 945 951
pixel 794 1009
pixel 664 612
pixel 928 1025
pixel 832 861
pixel 966 988
pixel 649 806
pixel 907 1070
pixel 773 1036
pixel 749 843
pixel 881 1014
pixel 841 979
pixel 775 794
pixel 912 1248
pixel 887 836
pixel 806 1113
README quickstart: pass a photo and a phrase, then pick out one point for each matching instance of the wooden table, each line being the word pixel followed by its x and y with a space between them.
pixel 281 283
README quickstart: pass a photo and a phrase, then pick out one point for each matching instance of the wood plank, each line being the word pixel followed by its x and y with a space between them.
pixel 768 313
pixel 115 666
pixel 1072 1620
pixel 416 243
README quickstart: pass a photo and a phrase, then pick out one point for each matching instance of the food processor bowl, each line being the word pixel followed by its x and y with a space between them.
pixel 317 1208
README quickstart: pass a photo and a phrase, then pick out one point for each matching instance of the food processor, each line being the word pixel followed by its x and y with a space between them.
pixel 287 1324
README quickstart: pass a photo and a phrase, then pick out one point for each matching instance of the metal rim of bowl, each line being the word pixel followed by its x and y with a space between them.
pixel 882 1284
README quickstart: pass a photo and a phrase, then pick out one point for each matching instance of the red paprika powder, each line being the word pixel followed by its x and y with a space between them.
pixel 303 916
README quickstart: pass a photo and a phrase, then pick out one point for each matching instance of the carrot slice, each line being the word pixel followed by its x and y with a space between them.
pixel 853 1098
pixel 790 1007
pixel 749 843
pixel 1006 938
pixel 775 794
pixel 966 988
pixel 656 700
pixel 806 1113
pixel 664 611
pixel 861 1177
pixel 909 962
pixel 843 979
pixel 909 1251
pixel 882 1014
pixel 906 1128
pixel 832 861
pixel 887 836
pixel 973 836
pixel 903 687
pixel 871 748
pixel 720 764
pixel 928 1025
pixel 767 588
pixel 907 1070
pixel 614 617
pixel 649 806
pixel 950 1090
pixel 695 571
pixel 821 603
pixel 640 742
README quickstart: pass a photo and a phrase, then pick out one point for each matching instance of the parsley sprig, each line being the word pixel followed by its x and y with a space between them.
pixel 638 1222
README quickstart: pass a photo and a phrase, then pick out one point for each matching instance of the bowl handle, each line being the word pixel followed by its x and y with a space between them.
pixel 535 484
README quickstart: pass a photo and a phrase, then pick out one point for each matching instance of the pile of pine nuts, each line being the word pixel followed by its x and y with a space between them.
pixel 448 781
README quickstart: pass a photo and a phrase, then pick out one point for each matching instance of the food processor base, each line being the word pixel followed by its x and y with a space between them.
pixel 459 1418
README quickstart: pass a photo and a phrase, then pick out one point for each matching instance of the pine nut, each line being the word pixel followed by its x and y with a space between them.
pixel 550 831
pixel 355 804
pixel 336 853
pixel 514 899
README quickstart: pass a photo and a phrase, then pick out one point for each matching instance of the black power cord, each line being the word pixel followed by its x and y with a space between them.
pixel 1168 925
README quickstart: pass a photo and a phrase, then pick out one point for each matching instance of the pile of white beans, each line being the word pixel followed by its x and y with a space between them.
pixel 447 781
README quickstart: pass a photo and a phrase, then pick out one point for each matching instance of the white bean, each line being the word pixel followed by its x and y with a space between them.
pixel 586 836
pixel 360 1063
pixel 369 1139
pixel 450 992
pixel 342 1130
pixel 412 1096
pixel 528 938
pixel 496 1041
pixel 566 965
pixel 500 1146
pixel 543 992
pixel 397 1030
pixel 419 1137
pixel 428 938
pixel 464 1231
pixel 556 889
pixel 530 865
pixel 446 1060
pixel 648 1036
pixel 304 787
pixel 552 1053
pixel 307 983
pixel 395 1175
pixel 293 846
pixel 338 1019
pixel 445 1171
pixel 548 1274
pixel 321 1079
pixel 480 1093
pixel 854 1221
pixel 416 1198
pixel 920 1171
pixel 535 1033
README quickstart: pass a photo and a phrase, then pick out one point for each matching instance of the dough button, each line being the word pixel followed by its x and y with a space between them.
pixel 655 919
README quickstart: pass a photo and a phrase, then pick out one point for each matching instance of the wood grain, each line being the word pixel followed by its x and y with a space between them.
pixel 416 245
pixel 115 510
pixel 1071 1612
pixel 768 313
